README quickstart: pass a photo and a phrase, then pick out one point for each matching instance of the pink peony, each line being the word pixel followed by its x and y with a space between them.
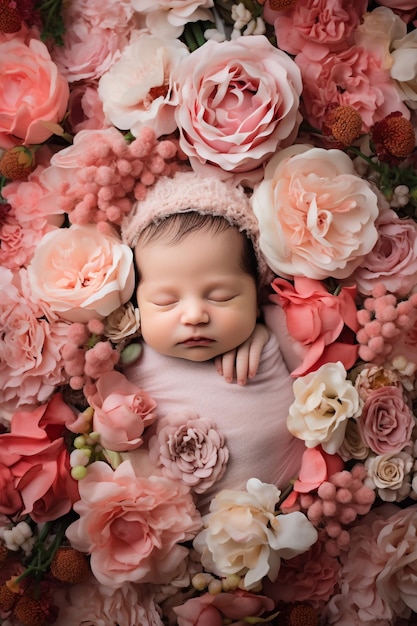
pixel 325 324
pixel 31 364
pixel 122 411
pixel 188 448
pixel 35 455
pixel 215 609
pixel 33 91
pixel 354 77
pixel 238 104
pixel 386 421
pixel 393 260
pixel 315 27
pixel 132 526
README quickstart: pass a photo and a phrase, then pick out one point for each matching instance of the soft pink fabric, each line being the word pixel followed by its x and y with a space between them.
pixel 252 418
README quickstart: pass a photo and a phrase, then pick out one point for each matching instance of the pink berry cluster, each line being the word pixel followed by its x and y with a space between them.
pixel 336 504
pixel 114 173
pixel 383 320
pixel 87 355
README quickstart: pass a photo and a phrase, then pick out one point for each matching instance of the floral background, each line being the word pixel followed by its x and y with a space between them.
pixel 310 105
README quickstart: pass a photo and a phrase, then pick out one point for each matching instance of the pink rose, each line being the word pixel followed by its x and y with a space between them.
pixel 132 526
pixel 325 324
pixel 238 104
pixel 188 448
pixel 38 460
pixel 33 91
pixel 316 215
pixel 356 77
pixel 82 273
pixel 122 411
pixel 393 259
pixel 31 363
pixel 315 27
pixel 212 609
pixel 386 421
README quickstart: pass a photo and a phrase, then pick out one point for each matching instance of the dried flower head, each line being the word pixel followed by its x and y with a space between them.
pixel 29 611
pixel 17 163
pixel 10 18
pixel 69 565
pixel 393 138
pixel 298 614
pixel 343 123
pixel 281 5
pixel 7 598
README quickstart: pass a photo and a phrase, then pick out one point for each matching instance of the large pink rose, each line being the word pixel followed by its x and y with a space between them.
pixel 238 104
pixel 132 526
pixel 322 322
pixel 33 91
pixel 122 411
pixel 356 77
pixel 386 421
pixel 393 259
pixel 37 458
pixel 316 215
pixel 188 448
pixel 82 273
pixel 315 27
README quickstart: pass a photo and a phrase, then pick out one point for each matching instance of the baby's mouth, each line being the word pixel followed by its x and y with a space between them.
pixel 197 341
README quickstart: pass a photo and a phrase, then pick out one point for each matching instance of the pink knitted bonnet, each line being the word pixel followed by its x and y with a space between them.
pixel 187 191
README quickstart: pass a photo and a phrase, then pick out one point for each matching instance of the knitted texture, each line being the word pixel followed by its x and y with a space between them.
pixel 187 191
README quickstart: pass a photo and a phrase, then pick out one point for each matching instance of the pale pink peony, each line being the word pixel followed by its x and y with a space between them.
pixel 31 364
pixel 167 18
pixel 386 421
pixel 122 412
pixel 33 92
pixel 132 526
pixel 315 27
pixel 81 273
pixel 316 215
pixel 238 104
pixel 357 77
pixel 138 89
pixel 189 449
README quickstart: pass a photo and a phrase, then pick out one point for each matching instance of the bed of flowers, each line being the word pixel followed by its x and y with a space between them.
pixel 310 105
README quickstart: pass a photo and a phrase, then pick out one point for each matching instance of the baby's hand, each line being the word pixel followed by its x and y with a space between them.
pixel 244 359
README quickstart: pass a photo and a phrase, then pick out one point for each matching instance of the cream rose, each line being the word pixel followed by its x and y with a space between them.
pixel 123 323
pixel 138 89
pixel 390 475
pixel 81 273
pixel 243 535
pixel 316 215
pixel 324 401
pixel 167 18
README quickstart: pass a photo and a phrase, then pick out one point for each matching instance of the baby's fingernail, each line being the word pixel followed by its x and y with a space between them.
pixel 228 379
pixel 241 382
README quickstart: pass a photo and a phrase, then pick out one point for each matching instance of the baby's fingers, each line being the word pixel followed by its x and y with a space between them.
pixel 225 364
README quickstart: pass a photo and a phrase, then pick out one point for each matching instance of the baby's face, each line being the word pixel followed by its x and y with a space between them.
pixel 194 298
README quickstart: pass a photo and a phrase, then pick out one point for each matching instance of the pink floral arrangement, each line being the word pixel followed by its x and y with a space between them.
pixel 311 107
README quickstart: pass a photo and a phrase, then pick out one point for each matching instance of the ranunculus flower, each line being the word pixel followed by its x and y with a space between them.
pixel 316 215
pixel 188 448
pixel 132 526
pixel 243 535
pixel 390 475
pixel 324 401
pixel 393 259
pixel 81 273
pixel 138 89
pixel 122 411
pixel 212 609
pixel 33 91
pixel 35 454
pixel 238 104
pixel 323 323
pixel 386 421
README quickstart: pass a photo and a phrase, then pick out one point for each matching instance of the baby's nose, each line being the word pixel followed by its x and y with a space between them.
pixel 195 312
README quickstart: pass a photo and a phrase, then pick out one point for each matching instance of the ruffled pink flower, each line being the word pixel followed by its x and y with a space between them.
pixel 35 454
pixel 354 77
pixel 31 364
pixel 315 27
pixel 188 448
pixel 386 421
pixel 122 411
pixel 323 323
pixel 85 109
pixel 132 526
pixel 393 259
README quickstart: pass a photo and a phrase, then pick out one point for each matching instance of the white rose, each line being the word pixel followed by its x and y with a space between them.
pixel 390 475
pixel 324 401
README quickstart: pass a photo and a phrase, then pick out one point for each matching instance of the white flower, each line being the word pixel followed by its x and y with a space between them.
pixel 324 401
pixel 390 475
pixel 243 535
